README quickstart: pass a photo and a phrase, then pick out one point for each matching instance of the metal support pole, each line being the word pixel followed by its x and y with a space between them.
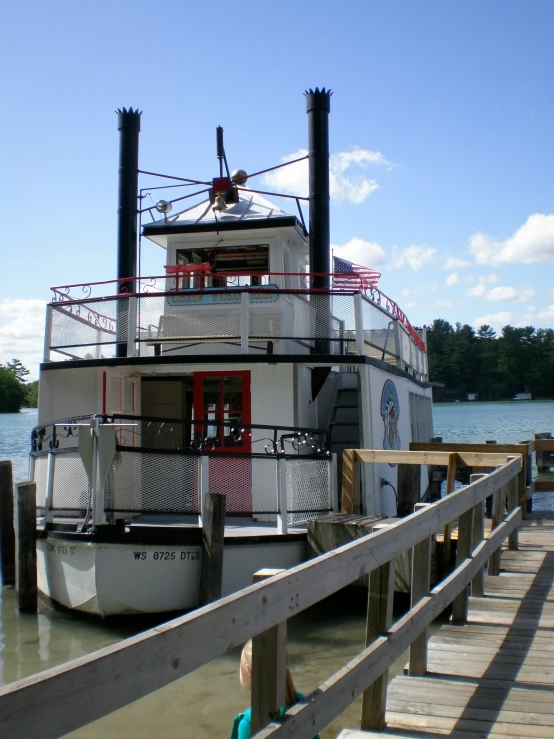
pixel 132 332
pixel 359 323
pixel 244 321
pixel 47 333
pixel 282 516
pixel 204 485
pixel 49 498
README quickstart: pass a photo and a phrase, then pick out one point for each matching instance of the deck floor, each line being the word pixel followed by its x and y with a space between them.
pixel 493 677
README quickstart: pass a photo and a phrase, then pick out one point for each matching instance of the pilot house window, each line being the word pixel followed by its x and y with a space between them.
pixel 224 266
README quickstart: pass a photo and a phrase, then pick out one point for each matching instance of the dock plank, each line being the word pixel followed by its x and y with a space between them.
pixel 493 677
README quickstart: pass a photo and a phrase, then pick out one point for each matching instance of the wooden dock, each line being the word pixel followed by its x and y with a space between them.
pixel 494 676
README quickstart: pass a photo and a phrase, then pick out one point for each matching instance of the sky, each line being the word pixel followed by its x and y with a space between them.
pixel 441 137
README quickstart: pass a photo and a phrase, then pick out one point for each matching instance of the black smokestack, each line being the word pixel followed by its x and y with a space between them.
pixel 128 125
pixel 318 107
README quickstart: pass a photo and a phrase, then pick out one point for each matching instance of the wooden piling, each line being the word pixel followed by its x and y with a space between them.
pixel 7 534
pixel 542 457
pixel 269 669
pixel 26 562
pixel 447 534
pixel 211 577
pixel 498 508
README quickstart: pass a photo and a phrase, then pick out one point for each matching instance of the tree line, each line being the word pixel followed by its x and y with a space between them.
pixel 15 391
pixel 496 366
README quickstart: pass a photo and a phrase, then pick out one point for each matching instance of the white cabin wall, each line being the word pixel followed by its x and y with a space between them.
pixel 403 386
pixel 70 392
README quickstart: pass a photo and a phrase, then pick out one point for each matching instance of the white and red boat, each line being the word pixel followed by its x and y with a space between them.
pixel 245 368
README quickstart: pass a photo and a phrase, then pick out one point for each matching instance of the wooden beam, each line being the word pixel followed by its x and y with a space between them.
pixel 438 458
pixel 348 503
pixel 7 534
pixel 26 561
pixel 211 577
pixel 525 449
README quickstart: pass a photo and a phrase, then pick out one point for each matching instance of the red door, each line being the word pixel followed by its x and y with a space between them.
pixel 218 397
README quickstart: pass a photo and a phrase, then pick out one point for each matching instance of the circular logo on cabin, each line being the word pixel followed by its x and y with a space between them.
pixel 390 413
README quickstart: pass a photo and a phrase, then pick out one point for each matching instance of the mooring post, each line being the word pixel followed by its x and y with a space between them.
pixel 464 550
pixel 421 584
pixel 379 620
pixel 478 582
pixel 211 578
pixel 26 562
pixel 269 669
pixel 7 535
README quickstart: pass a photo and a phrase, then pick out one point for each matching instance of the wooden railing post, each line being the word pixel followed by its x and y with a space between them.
pixel 498 507
pixel 478 582
pixel 269 669
pixel 211 577
pixel 464 551
pixel 421 584
pixel 7 535
pixel 450 485
pixel 513 543
pixel 379 620
pixel 26 562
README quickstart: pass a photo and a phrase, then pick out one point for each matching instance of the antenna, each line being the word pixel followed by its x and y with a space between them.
pixel 221 152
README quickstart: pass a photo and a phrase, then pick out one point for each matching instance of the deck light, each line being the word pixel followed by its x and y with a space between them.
pixel 162 206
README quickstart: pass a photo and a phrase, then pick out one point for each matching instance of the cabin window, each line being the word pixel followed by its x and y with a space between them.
pixel 224 266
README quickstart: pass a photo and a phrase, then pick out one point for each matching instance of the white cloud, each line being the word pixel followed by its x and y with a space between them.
pixel 453 279
pixel 496 320
pixel 532 243
pixel 22 332
pixel 343 183
pixel 432 287
pixel 444 303
pixel 482 288
pixel 406 292
pixel 501 293
pixel 455 263
pixel 413 256
pixel 542 318
pixel 368 253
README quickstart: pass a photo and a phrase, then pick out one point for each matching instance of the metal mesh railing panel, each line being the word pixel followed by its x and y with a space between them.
pixel 308 485
pixel 40 478
pixel 89 324
pixel 406 346
pixel 153 482
pixel 180 318
pixel 249 483
pixel 71 486
pixel 379 332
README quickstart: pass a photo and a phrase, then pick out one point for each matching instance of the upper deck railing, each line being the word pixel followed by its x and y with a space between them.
pixel 272 312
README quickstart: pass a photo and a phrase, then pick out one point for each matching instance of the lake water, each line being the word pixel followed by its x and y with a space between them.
pixel 203 704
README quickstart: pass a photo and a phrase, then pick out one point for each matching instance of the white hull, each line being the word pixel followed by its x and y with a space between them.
pixel 109 579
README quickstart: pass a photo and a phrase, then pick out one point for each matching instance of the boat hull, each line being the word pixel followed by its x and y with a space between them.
pixel 119 579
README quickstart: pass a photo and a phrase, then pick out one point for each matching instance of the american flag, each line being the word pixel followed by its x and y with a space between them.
pixel 353 276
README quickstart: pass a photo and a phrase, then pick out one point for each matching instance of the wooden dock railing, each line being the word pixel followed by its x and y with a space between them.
pixel 72 695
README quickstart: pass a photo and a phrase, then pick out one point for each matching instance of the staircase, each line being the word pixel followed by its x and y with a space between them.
pixel 344 424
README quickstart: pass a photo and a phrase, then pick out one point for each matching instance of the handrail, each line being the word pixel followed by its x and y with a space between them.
pixel 110 678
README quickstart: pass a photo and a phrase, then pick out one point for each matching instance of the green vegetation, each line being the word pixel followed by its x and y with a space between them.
pixel 496 367
pixel 14 392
